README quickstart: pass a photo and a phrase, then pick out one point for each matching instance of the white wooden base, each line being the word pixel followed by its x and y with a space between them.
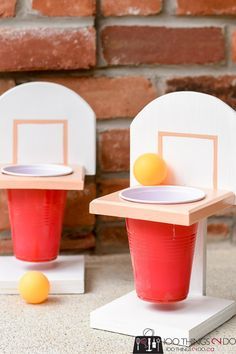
pixel 187 321
pixel 66 274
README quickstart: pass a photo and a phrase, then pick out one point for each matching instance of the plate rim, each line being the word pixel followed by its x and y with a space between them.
pixel 66 167
pixel 162 202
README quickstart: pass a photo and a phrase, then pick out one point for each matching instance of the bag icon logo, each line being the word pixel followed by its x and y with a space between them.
pixel 148 343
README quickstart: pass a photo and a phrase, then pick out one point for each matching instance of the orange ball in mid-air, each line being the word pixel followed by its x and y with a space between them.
pixel 150 169
pixel 34 287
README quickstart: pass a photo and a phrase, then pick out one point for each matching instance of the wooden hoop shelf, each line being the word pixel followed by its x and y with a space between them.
pixel 179 214
pixel 74 181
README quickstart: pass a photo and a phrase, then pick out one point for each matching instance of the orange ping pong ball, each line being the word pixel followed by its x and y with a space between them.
pixel 150 169
pixel 34 287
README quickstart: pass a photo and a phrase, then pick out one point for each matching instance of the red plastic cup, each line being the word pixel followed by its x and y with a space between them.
pixel 162 257
pixel 36 222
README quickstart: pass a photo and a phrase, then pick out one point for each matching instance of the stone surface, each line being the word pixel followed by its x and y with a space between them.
pixel 114 150
pixel 130 7
pixel 224 87
pixel 46 48
pixel 7 8
pixel 61 325
pixel 206 7
pixel 124 45
pixel 65 8
pixel 111 97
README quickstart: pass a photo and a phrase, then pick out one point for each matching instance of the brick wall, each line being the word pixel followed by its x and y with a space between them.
pixel 118 55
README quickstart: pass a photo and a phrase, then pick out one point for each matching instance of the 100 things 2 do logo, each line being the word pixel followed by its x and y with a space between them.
pixel 148 343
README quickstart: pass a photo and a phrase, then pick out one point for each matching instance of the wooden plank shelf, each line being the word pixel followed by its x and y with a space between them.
pixel 74 181
pixel 179 214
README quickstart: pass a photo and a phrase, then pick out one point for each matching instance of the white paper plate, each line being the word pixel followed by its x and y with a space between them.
pixel 162 194
pixel 39 170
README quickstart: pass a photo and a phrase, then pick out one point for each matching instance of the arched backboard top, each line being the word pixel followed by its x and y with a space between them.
pixel 195 134
pixel 43 122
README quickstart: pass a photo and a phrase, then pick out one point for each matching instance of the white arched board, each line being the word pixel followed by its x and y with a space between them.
pixel 194 132
pixel 44 122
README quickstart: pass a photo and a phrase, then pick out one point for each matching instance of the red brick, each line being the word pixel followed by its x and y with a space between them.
pixel 130 7
pixel 228 212
pixel 77 206
pixel 234 46
pixel 112 238
pixel 114 150
pixel 99 93
pixel 124 45
pixel 65 7
pixel 6 84
pixel 206 7
pixel 224 87
pixel 107 186
pixel 6 245
pixel 218 230
pixel 4 215
pixel 7 8
pixel 46 49
pixel 78 243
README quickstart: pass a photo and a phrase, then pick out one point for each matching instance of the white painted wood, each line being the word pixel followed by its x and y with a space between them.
pixel 189 159
pixel 198 275
pixel 42 143
pixel 194 160
pixel 47 123
pixel 65 274
pixel 180 160
pixel 187 321
pixel 30 140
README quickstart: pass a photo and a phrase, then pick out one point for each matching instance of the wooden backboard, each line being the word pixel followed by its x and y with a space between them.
pixel 43 122
pixel 194 132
